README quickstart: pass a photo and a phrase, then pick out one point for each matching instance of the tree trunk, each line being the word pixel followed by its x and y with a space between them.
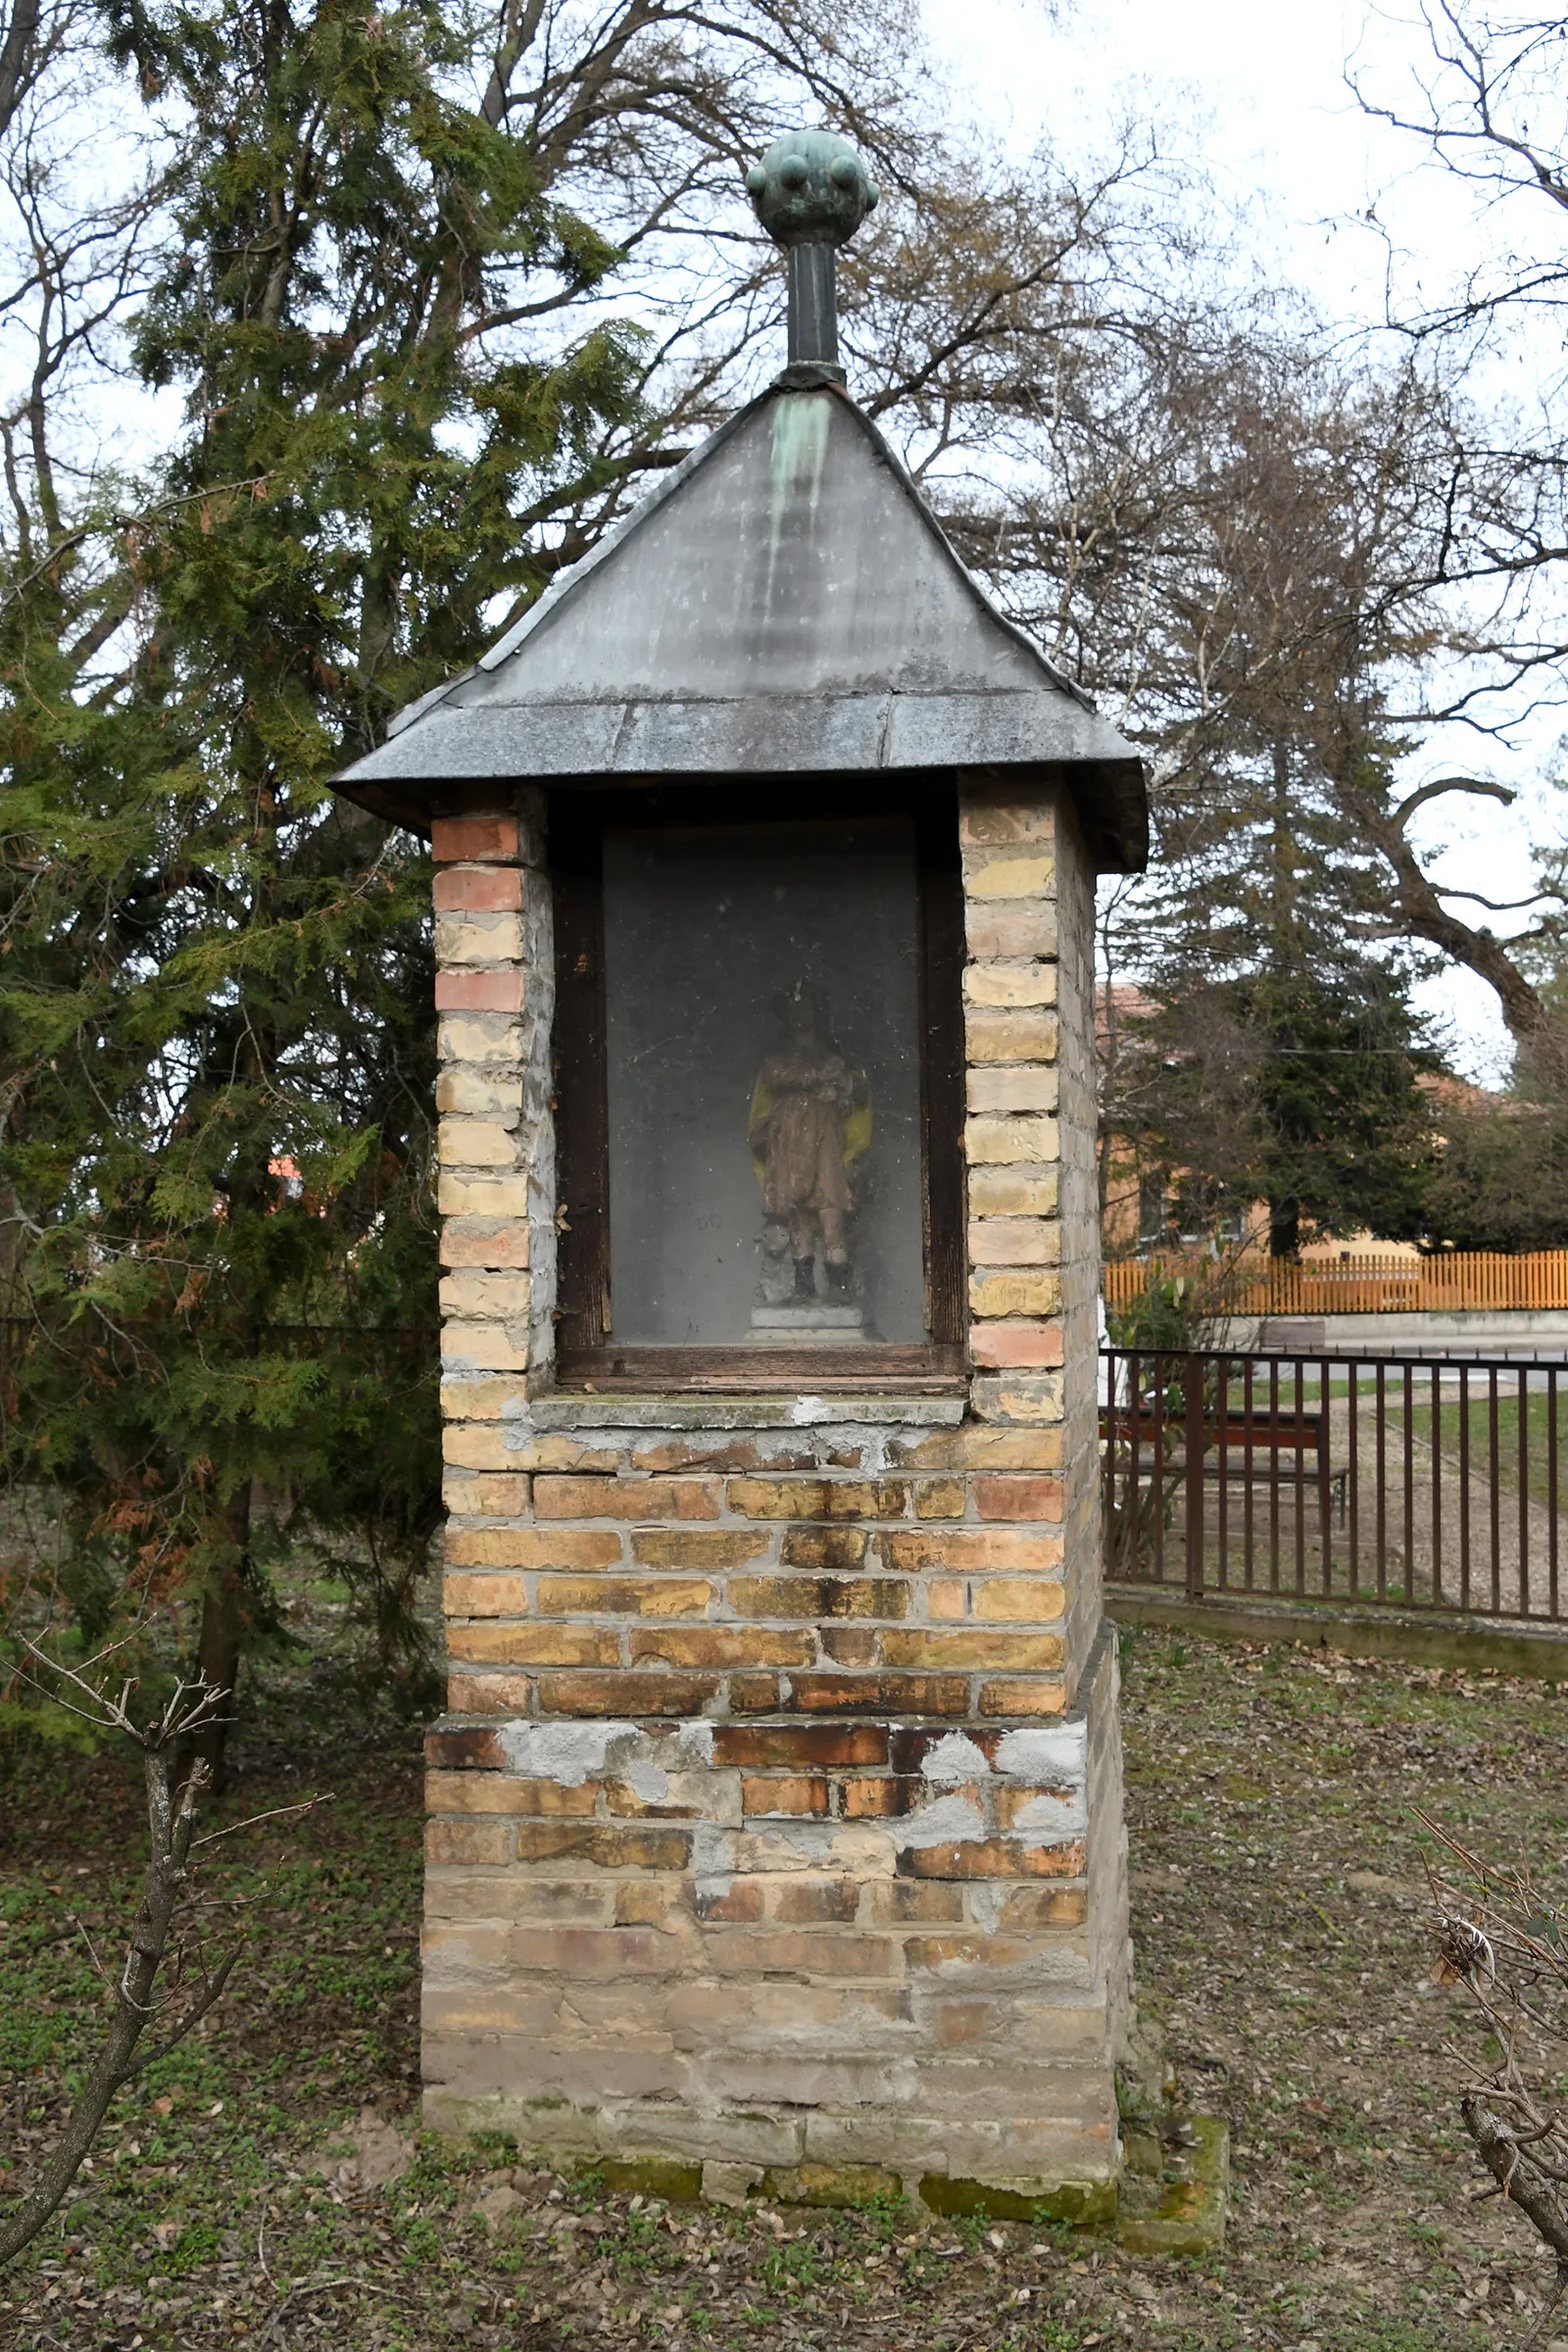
pixel 226 1613
pixel 1283 1228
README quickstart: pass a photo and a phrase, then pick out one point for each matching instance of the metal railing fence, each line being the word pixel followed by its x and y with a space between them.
pixel 1421 1483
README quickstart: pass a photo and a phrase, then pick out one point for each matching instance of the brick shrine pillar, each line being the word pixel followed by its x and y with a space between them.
pixel 775 1827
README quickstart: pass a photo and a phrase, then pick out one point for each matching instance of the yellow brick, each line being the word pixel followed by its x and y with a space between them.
pixel 1017 1600
pixel 624 1596
pixel 1009 1036
pixel 487 1347
pixel 502 1495
pixel 1008 877
pixel 532 1547
pixel 1023 1696
pixel 978 1447
pixel 494 1595
pixel 940 1499
pixel 474 1446
pixel 481 1196
pixel 1010 930
pixel 479 1037
pixel 484 938
pixel 1012 1191
pixel 961 1652
pixel 945 1597
pixel 472 1293
pixel 1006 986
pixel 1025 1292
pixel 476 1144
pixel 534 1644
pixel 990 813
pixel 1010 1141
pixel 472 1094
pixel 970 1549
pixel 1011 1086
pixel 720 1645
pixel 1014 1241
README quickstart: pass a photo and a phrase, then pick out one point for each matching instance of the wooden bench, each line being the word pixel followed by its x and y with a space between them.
pixel 1277 1435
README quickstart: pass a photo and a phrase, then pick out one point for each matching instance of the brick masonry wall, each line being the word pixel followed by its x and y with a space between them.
pixel 776 1819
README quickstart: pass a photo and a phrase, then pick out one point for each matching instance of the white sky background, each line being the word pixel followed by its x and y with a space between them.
pixel 1257 94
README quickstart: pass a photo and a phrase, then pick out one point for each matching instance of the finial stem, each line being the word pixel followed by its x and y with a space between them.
pixel 813 306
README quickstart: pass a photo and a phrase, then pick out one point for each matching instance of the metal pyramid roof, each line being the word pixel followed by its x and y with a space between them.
pixel 784 603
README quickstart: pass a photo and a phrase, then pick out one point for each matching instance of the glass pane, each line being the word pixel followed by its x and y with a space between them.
pixel 763 1001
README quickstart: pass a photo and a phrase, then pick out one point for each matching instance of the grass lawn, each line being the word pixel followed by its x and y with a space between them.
pixel 1279 1922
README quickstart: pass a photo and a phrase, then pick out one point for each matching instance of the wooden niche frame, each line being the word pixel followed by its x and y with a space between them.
pixel 587 1356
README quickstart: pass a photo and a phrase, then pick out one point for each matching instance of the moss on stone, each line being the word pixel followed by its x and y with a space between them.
pixel 1082 2204
pixel 829 2184
pixel 650 2177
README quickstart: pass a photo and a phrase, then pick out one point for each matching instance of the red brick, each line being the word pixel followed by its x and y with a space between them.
pixel 1018 1497
pixel 897 1694
pixel 497 990
pixel 478 890
pixel 752 1693
pixel 784 1793
pixel 478 837
pixel 872 1798
pixel 796 1747
pixel 642 1498
pixel 910 1746
pixel 626 1694
pixel 463 1747
pixel 1006 1344
pixel 739 1904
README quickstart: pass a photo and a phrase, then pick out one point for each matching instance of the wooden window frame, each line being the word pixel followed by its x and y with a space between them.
pixel 585 1358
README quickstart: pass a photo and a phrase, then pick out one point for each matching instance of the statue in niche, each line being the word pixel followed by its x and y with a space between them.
pixel 810 1120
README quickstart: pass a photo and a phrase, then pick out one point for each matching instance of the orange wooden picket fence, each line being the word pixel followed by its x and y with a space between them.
pixel 1355 1284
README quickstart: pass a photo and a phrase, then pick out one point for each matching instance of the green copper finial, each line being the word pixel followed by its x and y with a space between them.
pixel 811 188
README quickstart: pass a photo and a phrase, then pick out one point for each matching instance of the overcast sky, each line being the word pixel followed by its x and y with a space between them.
pixel 1258 93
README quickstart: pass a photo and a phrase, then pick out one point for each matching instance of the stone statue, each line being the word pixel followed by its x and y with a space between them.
pixel 811 1119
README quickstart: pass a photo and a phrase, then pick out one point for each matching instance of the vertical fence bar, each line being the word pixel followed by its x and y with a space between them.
pixel 1551 1491
pixel 1495 1469
pixel 1299 1428
pixel 1464 1486
pixel 1382 1480
pixel 1157 1442
pixel 1222 1416
pixel 1352 1473
pixel 1522 1402
pixel 1437 1488
pixel 1192 1445
pixel 1324 1483
pixel 1274 1474
pixel 1247 1485
pixel 1409 1482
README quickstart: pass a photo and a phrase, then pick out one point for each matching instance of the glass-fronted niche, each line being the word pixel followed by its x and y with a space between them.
pixel 758 1150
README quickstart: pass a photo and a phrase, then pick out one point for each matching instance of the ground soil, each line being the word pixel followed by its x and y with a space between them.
pixel 266 2183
